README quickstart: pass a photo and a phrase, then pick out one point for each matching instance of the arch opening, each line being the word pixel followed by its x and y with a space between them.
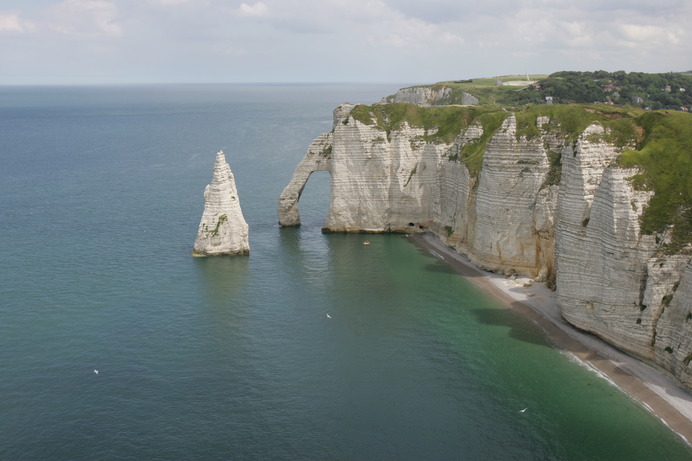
pixel 314 199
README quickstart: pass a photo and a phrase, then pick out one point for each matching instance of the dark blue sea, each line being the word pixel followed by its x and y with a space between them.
pixel 235 358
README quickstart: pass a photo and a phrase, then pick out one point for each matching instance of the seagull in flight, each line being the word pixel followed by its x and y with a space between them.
pixel 96 371
pixel 522 411
pixel 329 316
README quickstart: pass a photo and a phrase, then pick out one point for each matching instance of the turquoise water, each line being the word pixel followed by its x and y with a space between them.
pixel 236 358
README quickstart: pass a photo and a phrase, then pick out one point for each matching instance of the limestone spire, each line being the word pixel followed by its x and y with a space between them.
pixel 222 229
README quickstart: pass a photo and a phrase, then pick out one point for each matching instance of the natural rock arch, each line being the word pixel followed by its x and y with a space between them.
pixel 318 158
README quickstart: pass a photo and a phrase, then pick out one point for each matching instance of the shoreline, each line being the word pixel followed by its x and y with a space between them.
pixel 649 387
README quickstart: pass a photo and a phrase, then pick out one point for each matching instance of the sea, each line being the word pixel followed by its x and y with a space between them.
pixel 313 347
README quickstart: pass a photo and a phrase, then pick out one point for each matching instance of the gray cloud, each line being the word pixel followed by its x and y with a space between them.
pixel 335 40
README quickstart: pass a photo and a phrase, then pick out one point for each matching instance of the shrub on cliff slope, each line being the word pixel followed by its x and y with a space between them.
pixel 472 153
pixel 665 158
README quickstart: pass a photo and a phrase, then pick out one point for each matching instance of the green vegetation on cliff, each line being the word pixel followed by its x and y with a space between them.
pixel 442 124
pixel 672 91
pixel 656 91
pixel 569 121
pixel 472 153
pixel 664 156
pixel 504 91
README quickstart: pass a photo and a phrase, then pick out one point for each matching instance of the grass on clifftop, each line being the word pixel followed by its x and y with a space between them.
pixel 570 120
pixel 472 153
pixel 488 92
pixel 665 158
pixel 442 124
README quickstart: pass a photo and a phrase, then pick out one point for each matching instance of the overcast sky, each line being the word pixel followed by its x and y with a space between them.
pixel 416 41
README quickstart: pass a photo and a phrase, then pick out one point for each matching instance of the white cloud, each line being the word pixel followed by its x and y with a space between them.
pixel 386 26
pixel 413 33
pixel 649 37
pixel 169 2
pixel 11 23
pixel 231 50
pixel 577 34
pixel 85 18
pixel 451 38
pixel 639 33
pixel 673 38
pixel 259 9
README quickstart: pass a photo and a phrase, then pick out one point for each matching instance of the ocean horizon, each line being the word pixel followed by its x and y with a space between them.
pixel 312 347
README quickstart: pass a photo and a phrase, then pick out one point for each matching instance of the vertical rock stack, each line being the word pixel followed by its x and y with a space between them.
pixel 222 229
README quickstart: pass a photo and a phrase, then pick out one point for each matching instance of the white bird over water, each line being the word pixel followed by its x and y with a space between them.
pixel 96 371
pixel 329 316
pixel 522 411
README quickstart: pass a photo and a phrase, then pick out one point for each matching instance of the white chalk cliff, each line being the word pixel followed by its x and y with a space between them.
pixel 612 280
pixel 222 229
pixel 430 95
pixel 580 233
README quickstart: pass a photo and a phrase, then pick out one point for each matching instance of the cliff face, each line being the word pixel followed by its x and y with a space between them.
pixel 430 96
pixel 222 229
pixel 512 211
pixel 513 214
pixel 372 170
pixel 612 280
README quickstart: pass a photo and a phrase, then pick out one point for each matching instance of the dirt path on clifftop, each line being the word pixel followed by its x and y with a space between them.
pixel 652 389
